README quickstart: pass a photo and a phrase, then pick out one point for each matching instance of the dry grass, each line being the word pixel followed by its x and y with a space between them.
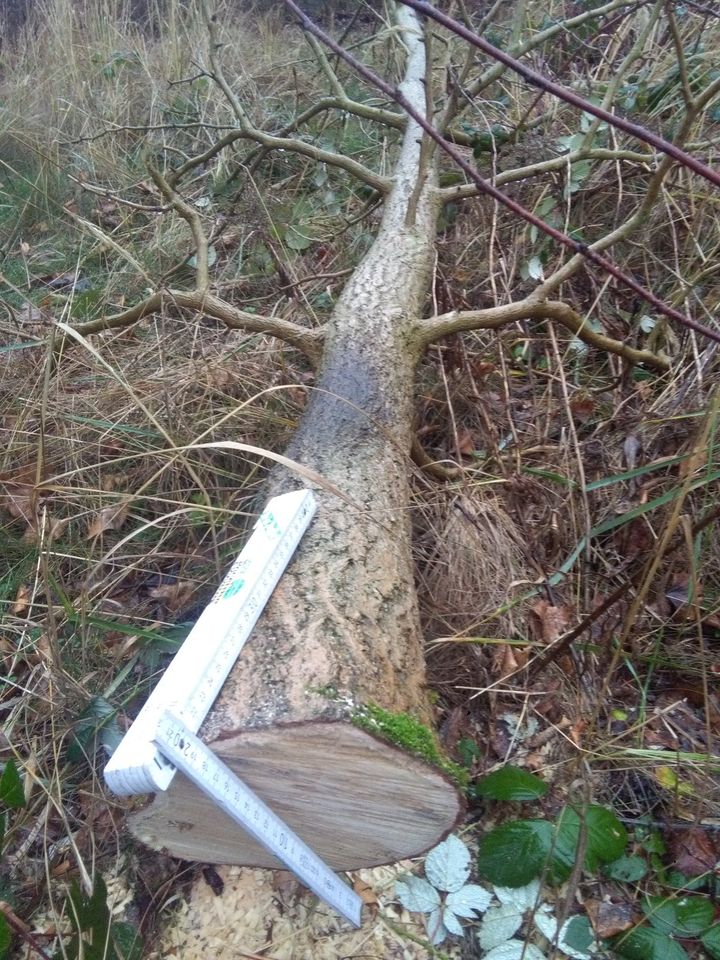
pixel 110 510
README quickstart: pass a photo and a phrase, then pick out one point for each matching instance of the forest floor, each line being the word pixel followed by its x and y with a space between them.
pixel 571 474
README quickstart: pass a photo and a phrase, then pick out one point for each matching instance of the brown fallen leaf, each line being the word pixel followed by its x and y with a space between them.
pixel 582 407
pixel 57 526
pixel 175 596
pixel 366 894
pixel 109 518
pixel 552 621
pixel 507 659
pixel 213 880
pixel 466 442
pixel 609 919
pixel 694 851
pixel 19 500
pixel 286 885
pixel 21 604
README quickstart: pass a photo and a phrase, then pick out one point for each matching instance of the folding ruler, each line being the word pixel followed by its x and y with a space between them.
pixel 162 738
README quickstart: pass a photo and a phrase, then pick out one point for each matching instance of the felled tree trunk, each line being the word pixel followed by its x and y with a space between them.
pixel 342 630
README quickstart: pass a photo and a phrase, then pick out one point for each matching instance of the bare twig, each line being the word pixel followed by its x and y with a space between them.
pixel 247 130
pixel 466 190
pixel 498 195
pixel 563 93
pixel 192 217
pixel 493 317
pixel 308 342
pixel 563 642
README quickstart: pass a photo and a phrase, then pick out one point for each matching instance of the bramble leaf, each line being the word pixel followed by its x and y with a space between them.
pixel 447 867
pixel 417 895
pixel 511 783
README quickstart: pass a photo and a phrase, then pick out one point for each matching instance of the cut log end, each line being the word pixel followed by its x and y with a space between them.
pixel 356 800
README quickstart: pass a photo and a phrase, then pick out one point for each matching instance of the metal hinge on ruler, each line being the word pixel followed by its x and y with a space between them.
pixel 162 738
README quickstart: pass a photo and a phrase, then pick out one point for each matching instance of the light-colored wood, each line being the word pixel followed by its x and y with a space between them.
pixel 343 627
pixel 356 801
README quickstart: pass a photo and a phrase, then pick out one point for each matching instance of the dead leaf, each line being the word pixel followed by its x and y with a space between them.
pixel 21 604
pixel 366 893
pixel 466 443
pixel 24 248
pixel 553 621
pixel 109 518
pixel 508 659
pixel 694 852
pixel 582 407
pixel 609 919
pixel 669 780
pixel 113 482
pixel 57 526
pixel 213 880
pixel 175 596
pixel 482 369
pixel 19 498
pixel 631 448
pixel 285 885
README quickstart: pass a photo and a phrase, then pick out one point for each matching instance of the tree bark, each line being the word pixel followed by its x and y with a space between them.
pixel 342 629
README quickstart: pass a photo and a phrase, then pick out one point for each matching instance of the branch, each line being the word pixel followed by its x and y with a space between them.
pixel 563 93
pixel 491 190
pixel 247 130
pixel 563 273
pixel 520 49
pixel 466 190
pixel 192 218
pixel 306 341
pixel 435 328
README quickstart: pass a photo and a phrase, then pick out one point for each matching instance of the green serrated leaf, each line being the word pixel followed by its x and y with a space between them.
pixel 711 941
pixel 606 836
pixel 90 914
pixel 437 931
pixel 563 848
pixel 12 793
pixel 128 942
pixel 451 922
pixel 627 869
pixel 514 853
pixel 417 895
pixel 576 937
pixel 498 925
pixel 5 937
pixel 468 900
pixel 682 917
pixel 96 723
pixel 646 943
pixel 296 240
pixel 511 783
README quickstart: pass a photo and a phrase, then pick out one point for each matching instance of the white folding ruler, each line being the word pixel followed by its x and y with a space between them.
pixel 162 738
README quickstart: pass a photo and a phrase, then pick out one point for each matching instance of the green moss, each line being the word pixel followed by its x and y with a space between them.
pixel 409 733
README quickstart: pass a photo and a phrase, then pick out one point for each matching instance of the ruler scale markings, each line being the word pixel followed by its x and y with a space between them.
pixel 199 669
pixel 200 765
pixel 158 743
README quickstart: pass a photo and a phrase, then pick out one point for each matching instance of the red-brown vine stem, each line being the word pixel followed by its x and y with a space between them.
pixel 489 189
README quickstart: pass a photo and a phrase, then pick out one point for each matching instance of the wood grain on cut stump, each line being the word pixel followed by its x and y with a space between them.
pixel 357 801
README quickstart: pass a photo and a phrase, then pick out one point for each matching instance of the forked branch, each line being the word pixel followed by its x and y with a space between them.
pixel 307 341
pixel 248 131
pixel 435 328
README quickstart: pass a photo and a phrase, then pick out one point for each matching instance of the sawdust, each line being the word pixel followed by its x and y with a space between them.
pixel 270 915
